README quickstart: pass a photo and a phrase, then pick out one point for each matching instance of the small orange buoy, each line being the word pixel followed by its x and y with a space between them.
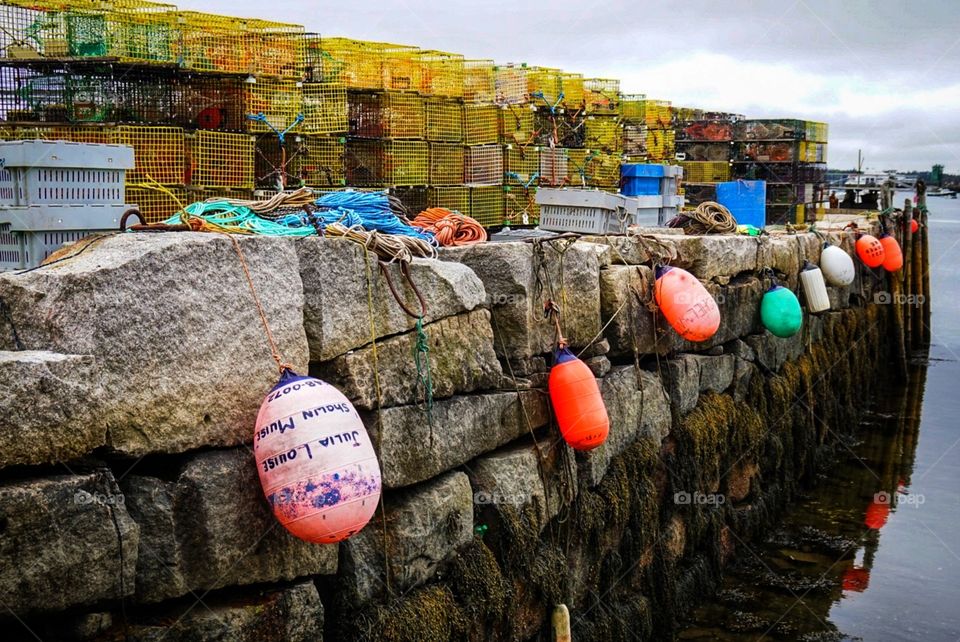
pixel 316 462
pixel 870 250
pixel 914 226
pixel 878 511
pixel 686 304
pixel 892 254
pixel 576 400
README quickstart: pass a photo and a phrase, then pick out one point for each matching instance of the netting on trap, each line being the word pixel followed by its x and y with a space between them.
pixel 660 144
pixel 657 113
pixel 543 85
pixel 211 42
pixel 273 103
pixel 572 90
pixel 604 133
pixel 483 165
pixel 486 205
pixel 479 81
pixel 386 115
pixel 159 153
pixel 446 163
pixel 206 102
pixel 372 163
pixel 451 198
pixel 220 160
pixel 32 95
pixel 601 95
pixel 324 108
pixel 705 171
pixel 274 48
pixel 442 74
pixel 319 160
pixel 444 120
pixel 554 166
pixel 517 125
pixel 157 204
pixel 633 108
pixel 520 205
pixel 481 124
pixel 510 84
pixel 521 164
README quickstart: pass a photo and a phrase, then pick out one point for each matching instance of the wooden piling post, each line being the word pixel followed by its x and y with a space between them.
pixel 924 247
pixel 906 274
pixel 897 301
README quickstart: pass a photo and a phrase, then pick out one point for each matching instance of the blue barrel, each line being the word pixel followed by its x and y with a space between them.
pixel 639 179
pixel 746 200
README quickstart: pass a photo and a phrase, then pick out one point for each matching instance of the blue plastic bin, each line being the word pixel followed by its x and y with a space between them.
pixel 746 200
pixel 640 179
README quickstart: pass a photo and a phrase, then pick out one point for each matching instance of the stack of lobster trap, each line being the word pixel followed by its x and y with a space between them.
pixel 705 149
pixel 790 155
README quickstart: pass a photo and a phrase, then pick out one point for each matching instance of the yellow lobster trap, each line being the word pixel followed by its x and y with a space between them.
pixel 486 205
pixel 446 163
pixel 601 95
pixel 479 81
pixel 220 160
pixel 633 108
pixel 572 89
pixel 510 84
pixel 520 205
pixel 383 163
pixel 159 153
pixel 554 166
pixel 158 203
pixel 451 198
pixel 521 165
pixel 387 114
pixel 604 133
pixel 324 108
pixel 483 165
pixel 660 144
pixel 517 125
pixel 444 120
pixel 442 74
pixel 544 84
pixel 272 104
pixel 481 124
pixel 705 171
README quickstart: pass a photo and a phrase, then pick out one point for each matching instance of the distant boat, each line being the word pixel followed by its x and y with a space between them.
pixel 941 191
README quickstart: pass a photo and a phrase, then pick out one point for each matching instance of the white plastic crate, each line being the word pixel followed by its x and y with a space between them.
pixel 38 172
pixel 56 192
pixel 585 211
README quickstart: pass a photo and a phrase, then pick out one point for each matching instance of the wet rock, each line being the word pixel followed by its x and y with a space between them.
pixel 682 383
pixel 739 348
pixel 637 406
pixel 595 349
pixel 170 320
pixel 518 283
pixel 426 524
pixel 460 354
pixel 48 402
pixel 739 480
pixel 336 312
pixel 710 256
pixel 65 541
pixel 743 374
pixel 716 372
pixel 773 352
pixel 212 528
pixel 627 320
pixel 526 367
pixel 623 250
pixel 520 477
pixel 599 366
pixel 294 614
pixel 461 427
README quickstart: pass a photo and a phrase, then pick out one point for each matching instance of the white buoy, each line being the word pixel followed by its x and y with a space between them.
pixel 814 288
pixel 837 266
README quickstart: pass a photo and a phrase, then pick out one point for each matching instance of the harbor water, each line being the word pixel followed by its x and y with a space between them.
pixel 873 551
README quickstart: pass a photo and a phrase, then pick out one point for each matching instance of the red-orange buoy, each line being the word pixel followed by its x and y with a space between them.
pixel 870 250
pixel 686 304
pixel 878 511
pixel 892 254
pixel 316 462
pixel 914 226
pixel 577 402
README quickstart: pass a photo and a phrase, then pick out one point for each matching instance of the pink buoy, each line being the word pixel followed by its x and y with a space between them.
pixel 317 465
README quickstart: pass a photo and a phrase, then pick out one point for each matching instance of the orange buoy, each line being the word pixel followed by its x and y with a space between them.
pixel 892 254
pixel 856 578
pixel 870 250
pixel 914 226
pixel 577 403
pixel 878 511
pixel 317 466
pixel 686 304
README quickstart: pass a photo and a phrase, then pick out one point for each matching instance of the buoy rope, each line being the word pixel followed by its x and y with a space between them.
pixel 709 218
pixel 450 227
pixel 274 351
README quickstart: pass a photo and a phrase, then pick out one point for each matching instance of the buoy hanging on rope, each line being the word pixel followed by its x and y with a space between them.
pixel 317 465
pixel 892 254
pixel 814 288
pixel 577 402
pixel 686 305
pixel 837 266
pixel 870 250
pixel 914 226
pixel 780 311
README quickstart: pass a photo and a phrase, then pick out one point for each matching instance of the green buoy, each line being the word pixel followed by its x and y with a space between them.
pixel 780 312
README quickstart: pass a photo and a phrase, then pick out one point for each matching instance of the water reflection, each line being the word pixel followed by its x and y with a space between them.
pixel 824 550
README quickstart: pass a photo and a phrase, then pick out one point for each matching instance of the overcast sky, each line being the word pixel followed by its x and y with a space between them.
pixel 884 74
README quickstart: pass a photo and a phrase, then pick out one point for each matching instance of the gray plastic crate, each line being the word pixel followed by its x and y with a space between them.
pixel 56 192
pixel 585 211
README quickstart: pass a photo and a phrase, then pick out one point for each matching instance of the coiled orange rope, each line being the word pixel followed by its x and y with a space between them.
pixel 450 228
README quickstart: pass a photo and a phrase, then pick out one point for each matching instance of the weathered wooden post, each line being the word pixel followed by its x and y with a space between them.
pixel 906 242
pixel 924 261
